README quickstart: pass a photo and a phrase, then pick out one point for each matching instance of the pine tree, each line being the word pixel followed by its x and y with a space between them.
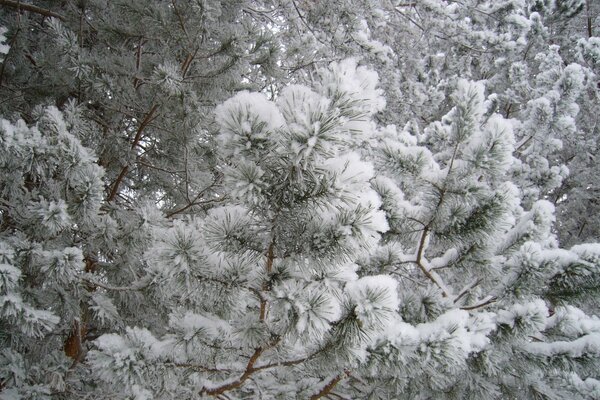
pixel 223 199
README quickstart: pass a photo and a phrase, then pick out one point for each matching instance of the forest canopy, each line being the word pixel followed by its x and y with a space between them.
pixel 355 199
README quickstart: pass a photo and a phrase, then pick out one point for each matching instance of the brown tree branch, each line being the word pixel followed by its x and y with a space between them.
pixel 486 301
pixel 589 18
pixel 31 8
pixel 329 387
pixel 238 382
pixel 265 286
pixel 136 140
pixel 250 368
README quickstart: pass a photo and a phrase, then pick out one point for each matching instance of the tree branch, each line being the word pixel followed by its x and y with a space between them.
pixel 466 290
pixel 138 136
pixel 141 284
pixel 265 286
pixel 486 301
pixel 238 382
pixel 195 201
pixel 31 8
pixel 329 387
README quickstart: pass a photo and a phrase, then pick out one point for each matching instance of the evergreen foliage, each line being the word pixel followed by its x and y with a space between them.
pixel 290 199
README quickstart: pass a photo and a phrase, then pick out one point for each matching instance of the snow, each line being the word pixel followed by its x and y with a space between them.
pixel 357 82
pixel 448 257
pixel 352 176
pixel 111 343
pixel 104 308
pixel 298 103
pixel 470 95
pixel 245 120
pixel 375 299
pixel 588 251
pixel 54 214
pixel 534 313
pixel 169 77
pixel 9 277
pixel 314 306
pixel 139 393
pixel 244 109
pixel 573 322
pixel 363 37
pixel 190 324
pixel 467 333
pixel 4 48
pixel 576 348
pixel 589 387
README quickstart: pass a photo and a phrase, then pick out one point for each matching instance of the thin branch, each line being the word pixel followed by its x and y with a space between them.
pixel 291 363
pixel 148 165
pixel 180 18
pixel 265 285
pixel 147 119
pixel 238 382
pixel 410 20
pixel 142 284
pixel 486 301
pixel 413 280
pixel 260 15
pixel 581 229
pixel 589 18
pixel 185 66
pixel 284 363
pixel 329 387
pixel 305 22
pixel 138 63
pixel 138 136
pixel 31 8
pixel 432 275
pixel 196 367
pixel 466 289
pixel 250 369
pixel 195 201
